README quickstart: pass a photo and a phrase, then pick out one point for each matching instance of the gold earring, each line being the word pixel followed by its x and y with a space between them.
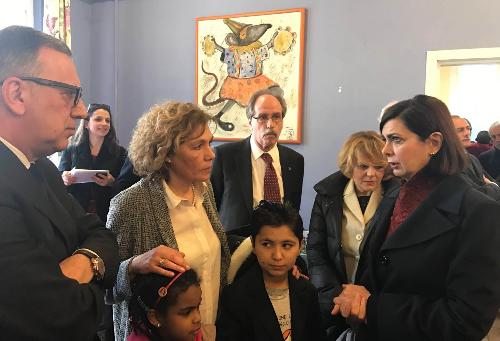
pixel 158 325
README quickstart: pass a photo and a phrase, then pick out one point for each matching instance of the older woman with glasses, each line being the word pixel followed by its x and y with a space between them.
pixel 168 220
pixel 432 262
pixel 345 204
pixel 94 146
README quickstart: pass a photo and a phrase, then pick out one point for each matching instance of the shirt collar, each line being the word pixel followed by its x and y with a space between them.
pixel 20 155
pixel 257 152
pixel 173 200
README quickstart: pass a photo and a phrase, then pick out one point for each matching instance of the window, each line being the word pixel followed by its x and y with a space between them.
pixel 468 81
pixel 19 12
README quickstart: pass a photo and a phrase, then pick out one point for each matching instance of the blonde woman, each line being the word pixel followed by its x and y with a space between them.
pixel 168 220
pixel 345 204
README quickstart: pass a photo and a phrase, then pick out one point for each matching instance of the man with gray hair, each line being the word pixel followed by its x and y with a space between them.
pixel 55 259
pixel 257 167
pixel 491 159
pixel 474 172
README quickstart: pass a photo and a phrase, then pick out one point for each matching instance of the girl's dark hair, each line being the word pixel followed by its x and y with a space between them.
pixel 424 115
pixel 276 214
pixel 81 136
pixel 145 297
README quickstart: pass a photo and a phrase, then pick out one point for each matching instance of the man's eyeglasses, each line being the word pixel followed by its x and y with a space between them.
pixel 77 90
pixel 266 118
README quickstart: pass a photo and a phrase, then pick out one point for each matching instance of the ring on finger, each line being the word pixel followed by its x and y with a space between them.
pixel 161 263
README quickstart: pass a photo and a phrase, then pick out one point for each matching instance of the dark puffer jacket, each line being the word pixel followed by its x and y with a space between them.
pixel 324 248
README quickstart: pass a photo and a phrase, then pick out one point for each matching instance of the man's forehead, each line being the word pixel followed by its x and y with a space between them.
pixel 57 66
pixel 268 103
pixel 460 122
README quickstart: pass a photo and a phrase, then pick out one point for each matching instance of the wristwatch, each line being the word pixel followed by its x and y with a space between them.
pixel 97 263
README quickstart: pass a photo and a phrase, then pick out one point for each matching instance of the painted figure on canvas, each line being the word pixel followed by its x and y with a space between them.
pixel 244 59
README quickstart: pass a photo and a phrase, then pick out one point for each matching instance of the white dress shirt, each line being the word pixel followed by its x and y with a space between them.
pixel 197 239
pixel 20 155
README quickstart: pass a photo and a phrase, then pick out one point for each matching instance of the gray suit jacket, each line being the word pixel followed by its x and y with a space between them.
pixel 139 217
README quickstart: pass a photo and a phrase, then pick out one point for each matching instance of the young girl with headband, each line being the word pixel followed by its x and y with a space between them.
pixel 166 309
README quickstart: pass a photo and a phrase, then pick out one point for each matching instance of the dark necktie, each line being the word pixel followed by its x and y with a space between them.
pixel 271 186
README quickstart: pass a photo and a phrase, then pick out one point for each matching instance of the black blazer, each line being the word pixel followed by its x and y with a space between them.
pixel 232 181
pixel 490 160
pixel 36 235
pixel 474 174
pixel 247 314
pixel 126 178
pixel 80 157
pixel 437 277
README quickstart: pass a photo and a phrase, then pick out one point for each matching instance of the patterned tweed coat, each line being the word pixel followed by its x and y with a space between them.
pixel 139 217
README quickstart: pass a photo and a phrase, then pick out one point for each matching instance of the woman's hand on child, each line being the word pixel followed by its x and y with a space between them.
pixel 159 260
pixel 297 274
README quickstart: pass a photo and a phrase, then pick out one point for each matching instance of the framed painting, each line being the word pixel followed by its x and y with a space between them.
pixel 239 54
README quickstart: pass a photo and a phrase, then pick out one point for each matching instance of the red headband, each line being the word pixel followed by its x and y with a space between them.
pixel 162 291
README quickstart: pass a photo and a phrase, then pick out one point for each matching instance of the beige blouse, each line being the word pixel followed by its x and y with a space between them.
pixel 354 224
pixel 196 238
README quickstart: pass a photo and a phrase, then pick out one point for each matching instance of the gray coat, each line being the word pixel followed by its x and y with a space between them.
pixel 139 217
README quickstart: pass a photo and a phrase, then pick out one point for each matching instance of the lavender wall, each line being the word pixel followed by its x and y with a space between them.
pixel 374 50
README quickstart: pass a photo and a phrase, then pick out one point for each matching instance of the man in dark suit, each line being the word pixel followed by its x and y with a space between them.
pixel 238 172
pixel 55 259
pixel 473 172
pixel 491 159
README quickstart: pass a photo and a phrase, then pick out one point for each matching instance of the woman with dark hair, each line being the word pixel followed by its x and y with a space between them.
pixel 431 266
pixel 345 204
pixel 94 146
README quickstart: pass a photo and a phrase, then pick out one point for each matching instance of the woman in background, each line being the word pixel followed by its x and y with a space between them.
pixel 345 204
pixel 168 220
pixel 433 267
pixel 94 146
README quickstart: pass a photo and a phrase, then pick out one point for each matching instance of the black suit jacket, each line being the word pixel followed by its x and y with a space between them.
pixel 247 314
pixel 232 181
pixel 126 178
pixel 437 277
pixel 37 302
pixel 474 174
pixel 490 160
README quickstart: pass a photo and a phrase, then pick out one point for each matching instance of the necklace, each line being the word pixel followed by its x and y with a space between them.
pixel 277 293
pixel 194 194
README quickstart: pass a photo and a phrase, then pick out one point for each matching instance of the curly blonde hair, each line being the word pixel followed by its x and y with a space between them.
pixel 363 144
pixel 160 132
